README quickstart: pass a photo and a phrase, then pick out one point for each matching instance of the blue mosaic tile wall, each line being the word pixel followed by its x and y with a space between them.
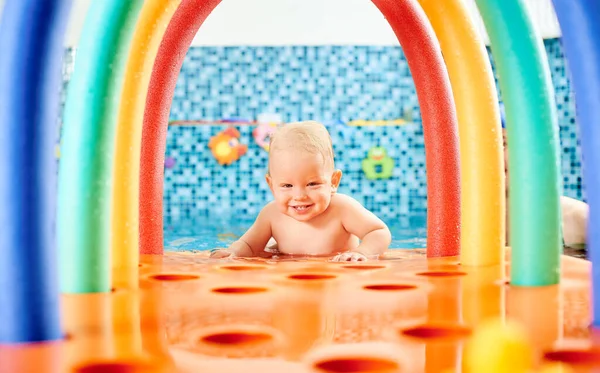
pixel 333 85
pixel 329 84
pixel 569 131
pixel 198 185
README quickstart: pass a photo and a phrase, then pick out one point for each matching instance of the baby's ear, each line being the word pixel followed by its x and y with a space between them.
pixel 335 180
pixel 269 181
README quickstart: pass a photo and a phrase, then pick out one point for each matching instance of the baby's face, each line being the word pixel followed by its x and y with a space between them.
pixel 301 183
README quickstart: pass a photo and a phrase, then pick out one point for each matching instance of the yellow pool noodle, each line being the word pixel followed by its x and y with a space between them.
pixel 483 209
pixel 152 23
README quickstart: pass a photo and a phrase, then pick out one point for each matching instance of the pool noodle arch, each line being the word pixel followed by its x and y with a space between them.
pixel 483 224
pixel 31 39
pixel 153 20
pixel 580 23
pixel 531 123
pixel 47 312
pixel 411 26
pixel 87 152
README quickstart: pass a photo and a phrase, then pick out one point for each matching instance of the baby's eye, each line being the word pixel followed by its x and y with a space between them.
pixel 286 185
pixel 313 183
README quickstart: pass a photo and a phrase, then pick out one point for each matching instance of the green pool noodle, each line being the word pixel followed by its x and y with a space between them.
pixel 87 146
pixel 532 136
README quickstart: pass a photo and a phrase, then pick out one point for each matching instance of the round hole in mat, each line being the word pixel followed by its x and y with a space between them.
pixel 311 276
pixel 242 267
pixel 116 367
pixel 575 357
pixel 502 282
pixel 171 277
pixel 363 267
pixel 389 287
pixel 117 290
pixel 437 331
pixel 357 364
pixel 237 338
pixel 239 290
pixel 442 273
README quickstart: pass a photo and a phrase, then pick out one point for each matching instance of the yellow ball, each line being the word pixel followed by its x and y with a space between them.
pixel 498 346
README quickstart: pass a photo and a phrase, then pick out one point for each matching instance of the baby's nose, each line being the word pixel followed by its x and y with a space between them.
pixel 300 194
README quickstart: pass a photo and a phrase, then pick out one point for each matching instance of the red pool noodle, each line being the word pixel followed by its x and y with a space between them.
pixel 425 61
pixel 177 40
pixel 440 124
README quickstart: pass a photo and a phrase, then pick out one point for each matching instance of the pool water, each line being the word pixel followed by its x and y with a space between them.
pixel 207 233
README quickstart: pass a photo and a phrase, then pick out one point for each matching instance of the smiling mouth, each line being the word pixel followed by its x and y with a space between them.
pixel 301 208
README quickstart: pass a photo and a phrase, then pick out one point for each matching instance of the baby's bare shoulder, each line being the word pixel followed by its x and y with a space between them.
pixel 346 206
pixel 268 211
pixel 343 201
pixel 350 208
pixel 270 208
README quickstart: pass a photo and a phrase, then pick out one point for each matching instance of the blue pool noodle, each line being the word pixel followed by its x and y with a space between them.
pixel 32 47
pixel 580 24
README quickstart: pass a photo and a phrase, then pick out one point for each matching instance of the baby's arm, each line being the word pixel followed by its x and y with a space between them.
pixel 374 234
pixel 253 241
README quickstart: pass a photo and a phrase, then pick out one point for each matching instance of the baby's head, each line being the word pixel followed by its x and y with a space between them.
pixel 309 137
pixel 301 173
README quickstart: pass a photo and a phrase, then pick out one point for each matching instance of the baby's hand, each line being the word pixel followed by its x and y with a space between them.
pixel 220 253
pixel 349 256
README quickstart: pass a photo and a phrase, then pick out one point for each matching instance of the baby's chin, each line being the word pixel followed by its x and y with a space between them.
pixel 301 218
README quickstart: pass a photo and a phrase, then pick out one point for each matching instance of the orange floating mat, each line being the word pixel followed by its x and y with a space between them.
pixel 403 313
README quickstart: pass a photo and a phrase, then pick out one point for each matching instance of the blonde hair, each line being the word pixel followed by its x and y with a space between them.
pixel 309 136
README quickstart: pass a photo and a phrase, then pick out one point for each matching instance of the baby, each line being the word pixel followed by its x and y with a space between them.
pixel 308 217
